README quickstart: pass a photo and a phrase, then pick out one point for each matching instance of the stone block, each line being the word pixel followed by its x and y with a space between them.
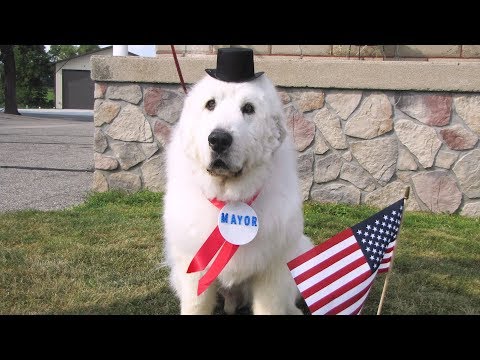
pixel 428 51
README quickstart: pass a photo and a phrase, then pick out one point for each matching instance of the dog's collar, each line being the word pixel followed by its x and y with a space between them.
pixel 219 204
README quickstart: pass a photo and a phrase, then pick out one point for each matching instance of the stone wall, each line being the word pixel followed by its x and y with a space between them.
pixel 132 126
pixel 354 147
pixel 365 147
pixel 387 52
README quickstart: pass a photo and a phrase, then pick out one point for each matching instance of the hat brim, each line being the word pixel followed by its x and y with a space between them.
pixel 213 73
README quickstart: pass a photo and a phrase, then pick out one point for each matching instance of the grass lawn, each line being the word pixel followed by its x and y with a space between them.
pixel 104 257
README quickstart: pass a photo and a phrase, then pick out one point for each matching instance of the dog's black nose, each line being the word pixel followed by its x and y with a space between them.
pixel 219 140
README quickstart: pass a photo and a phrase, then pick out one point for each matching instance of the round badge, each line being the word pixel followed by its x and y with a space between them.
pixel 238 223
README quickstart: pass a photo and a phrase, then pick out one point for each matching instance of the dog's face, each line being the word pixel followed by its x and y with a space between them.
pixel 230 128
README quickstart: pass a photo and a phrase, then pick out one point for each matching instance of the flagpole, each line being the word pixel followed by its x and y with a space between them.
pixel 385 284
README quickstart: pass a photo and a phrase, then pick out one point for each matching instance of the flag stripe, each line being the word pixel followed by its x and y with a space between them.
pixel 351 302
pixel 387 257
pixel 318 291
pixel 390 247
pixel 385 263
pixel 332 273
pixel 355 308
pixel 319 248
pixel 343 294
pixel 383 269
pixel 325 255
pixel 324 263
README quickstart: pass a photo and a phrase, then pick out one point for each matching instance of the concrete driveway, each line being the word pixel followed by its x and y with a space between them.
pixel 46 160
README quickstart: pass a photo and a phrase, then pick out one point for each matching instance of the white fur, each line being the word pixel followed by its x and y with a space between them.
pixel 263 151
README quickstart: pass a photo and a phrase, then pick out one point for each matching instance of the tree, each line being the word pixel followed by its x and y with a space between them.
pixel 85 49
pixel 7 57
pixel 34 75
pixel 62 52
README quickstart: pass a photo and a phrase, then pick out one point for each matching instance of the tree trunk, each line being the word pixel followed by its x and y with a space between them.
pixel 10 79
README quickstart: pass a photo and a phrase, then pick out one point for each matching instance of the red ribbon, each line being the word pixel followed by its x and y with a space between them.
pixel 214 243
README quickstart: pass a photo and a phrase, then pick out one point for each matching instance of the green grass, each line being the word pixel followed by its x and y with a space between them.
pixel 104 257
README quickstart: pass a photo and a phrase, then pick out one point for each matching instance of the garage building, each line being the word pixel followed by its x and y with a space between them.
pixel 73 86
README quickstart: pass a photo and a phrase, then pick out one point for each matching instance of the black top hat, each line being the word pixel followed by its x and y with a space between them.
pixel 234 65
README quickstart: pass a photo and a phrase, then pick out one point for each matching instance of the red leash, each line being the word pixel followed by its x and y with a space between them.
pixel 178 68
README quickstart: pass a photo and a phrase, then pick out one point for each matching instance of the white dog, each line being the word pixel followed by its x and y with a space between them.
pixel 230 144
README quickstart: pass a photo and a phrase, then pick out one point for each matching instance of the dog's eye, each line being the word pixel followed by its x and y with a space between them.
pixel 248 109
pixel 210 105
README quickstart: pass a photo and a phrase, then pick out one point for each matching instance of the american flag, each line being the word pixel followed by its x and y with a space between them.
pixel 336 276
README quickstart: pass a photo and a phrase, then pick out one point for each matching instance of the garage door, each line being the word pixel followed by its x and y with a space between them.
pixel 77 89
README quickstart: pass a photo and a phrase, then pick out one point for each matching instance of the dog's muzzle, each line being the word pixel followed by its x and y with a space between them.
pixel 220 141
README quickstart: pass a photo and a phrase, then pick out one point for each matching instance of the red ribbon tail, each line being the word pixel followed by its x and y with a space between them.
pixel 207 251
pixel 225 254
pixel 249 202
